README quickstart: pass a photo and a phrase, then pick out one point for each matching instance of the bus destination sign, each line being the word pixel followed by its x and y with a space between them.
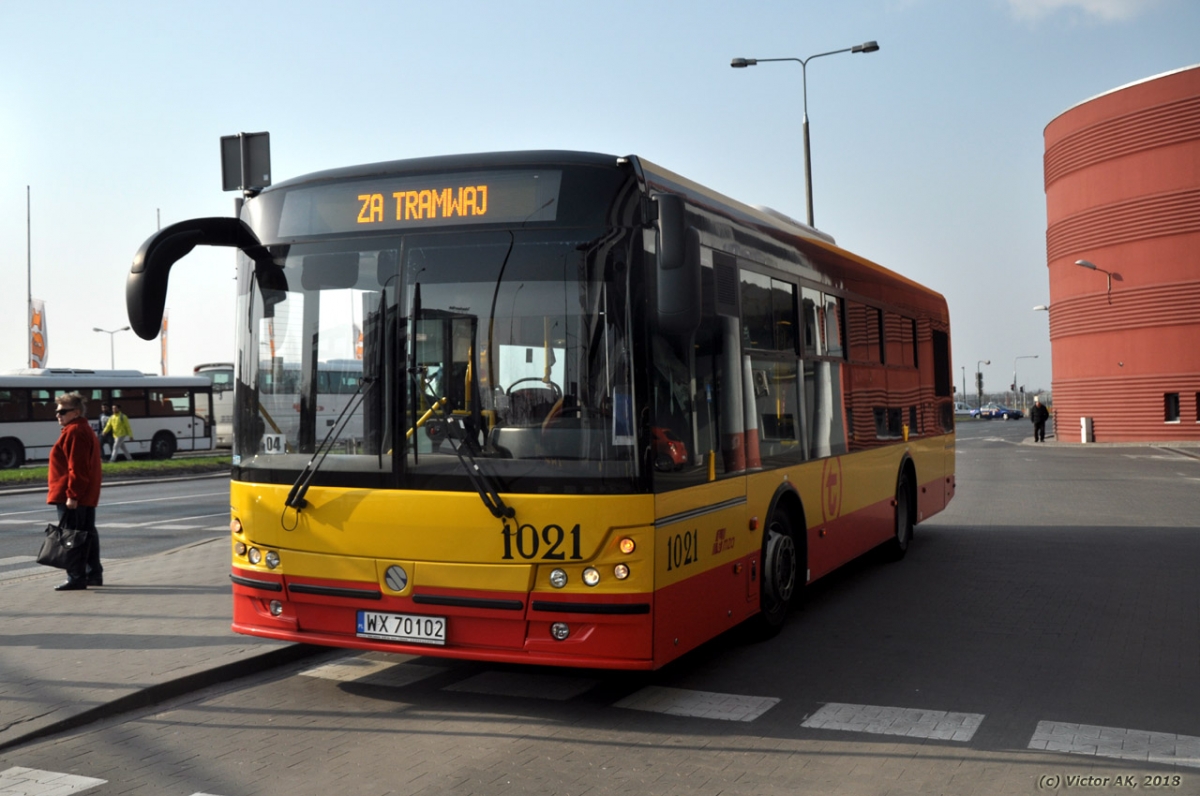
pixel 498 197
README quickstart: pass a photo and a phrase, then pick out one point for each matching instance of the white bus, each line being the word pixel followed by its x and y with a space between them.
pixel 221 376
pixel 166 413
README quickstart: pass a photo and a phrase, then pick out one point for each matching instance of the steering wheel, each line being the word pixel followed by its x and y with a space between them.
pixel 555 390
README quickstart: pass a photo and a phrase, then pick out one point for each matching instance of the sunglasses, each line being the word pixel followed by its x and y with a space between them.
pixel 61 412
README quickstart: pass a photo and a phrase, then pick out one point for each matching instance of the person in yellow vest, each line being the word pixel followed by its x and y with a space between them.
pixel 118 426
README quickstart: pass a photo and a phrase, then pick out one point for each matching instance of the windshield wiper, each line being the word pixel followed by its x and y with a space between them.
pixel 456 433
pixel 295 498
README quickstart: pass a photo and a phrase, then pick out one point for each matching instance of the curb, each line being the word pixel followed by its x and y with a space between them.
pixel 155 694
pixel 129 481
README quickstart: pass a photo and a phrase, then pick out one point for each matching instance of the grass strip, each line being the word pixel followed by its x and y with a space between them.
pixel 27 476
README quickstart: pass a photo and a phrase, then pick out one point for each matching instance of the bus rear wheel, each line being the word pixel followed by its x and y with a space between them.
pixel 779 578
pixel 898 545
pixel 12 454
pixel 162 446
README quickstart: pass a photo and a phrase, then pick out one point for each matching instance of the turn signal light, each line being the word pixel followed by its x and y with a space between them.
pixel 235 525
pixel 626 545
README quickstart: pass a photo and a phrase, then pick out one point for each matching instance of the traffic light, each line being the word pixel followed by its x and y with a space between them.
pixel 979 382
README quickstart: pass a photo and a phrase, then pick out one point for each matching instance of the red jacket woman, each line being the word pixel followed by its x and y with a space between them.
pixel 74 485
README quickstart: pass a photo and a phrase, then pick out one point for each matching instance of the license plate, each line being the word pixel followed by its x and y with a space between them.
pixel 402 627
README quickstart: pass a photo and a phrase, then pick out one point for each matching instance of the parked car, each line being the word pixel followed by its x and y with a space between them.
pixel 992 411
pixel 962 409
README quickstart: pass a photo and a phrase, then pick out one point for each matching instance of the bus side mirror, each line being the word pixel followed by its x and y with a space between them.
pixel 678 268
pixel 146 287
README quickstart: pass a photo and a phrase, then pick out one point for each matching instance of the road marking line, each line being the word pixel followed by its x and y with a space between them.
pixel 698 704
pixel 530 686
pixel 1122 744
pixel 34 782
pixel 365 670
pixel 910 722
pixel 16 560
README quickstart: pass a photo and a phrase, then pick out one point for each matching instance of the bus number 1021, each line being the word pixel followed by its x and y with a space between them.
pixel 527 541
pixel 683 549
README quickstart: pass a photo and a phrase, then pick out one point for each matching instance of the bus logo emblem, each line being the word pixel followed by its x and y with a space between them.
pixel 831 489
pixel 396 578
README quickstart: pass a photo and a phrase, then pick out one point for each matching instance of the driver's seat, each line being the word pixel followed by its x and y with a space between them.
pixel 529 407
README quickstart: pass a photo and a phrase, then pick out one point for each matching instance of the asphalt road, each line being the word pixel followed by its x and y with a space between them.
pixel 1043 628
pixel 133 520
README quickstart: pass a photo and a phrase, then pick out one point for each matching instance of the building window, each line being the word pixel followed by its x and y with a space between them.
pixel 1171 407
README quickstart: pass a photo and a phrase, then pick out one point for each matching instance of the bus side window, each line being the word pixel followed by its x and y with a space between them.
pixel 13 405
pixel 43 405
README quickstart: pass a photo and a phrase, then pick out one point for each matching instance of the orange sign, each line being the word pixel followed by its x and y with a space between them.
pixel 38 344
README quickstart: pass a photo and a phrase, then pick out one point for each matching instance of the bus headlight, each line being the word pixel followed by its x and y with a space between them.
pixel 560 631
pixel 240 548
pixel 558 578
pixel 591 576
pixel 255 555
pixel 272 559
pixel 620 572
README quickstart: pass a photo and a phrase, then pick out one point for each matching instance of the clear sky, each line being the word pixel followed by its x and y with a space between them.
pixel 927 155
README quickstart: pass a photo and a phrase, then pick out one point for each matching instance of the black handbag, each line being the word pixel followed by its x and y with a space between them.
pixel 63 547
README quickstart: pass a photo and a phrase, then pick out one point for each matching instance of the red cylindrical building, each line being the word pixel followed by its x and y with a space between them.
pixel 1123 193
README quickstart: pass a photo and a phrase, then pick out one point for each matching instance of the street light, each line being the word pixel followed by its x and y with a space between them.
pixel 1093 267
pixel 1014 383
pixel 112 358
pixel 979 380
pixel 1042 308
pixel 741 63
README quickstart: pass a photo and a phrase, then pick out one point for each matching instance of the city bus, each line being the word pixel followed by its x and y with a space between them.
pixel 220 375
pixel 606 414
pixel 166 413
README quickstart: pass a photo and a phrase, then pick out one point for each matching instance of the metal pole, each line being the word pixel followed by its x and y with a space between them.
pixel 28 280
pixel 808 183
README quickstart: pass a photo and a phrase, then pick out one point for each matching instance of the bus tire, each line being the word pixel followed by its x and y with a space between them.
pixel 779 578
pixel 12 454
pixel 162 446
pixel 898 545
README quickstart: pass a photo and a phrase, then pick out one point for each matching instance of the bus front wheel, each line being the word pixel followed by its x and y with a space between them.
pixel 12 454
pixel 778 580
pixel 162 446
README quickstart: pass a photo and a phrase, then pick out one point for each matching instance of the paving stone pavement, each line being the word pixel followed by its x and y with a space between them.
pixel 159 626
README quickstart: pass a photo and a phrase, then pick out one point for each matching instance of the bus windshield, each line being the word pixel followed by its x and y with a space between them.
pixel 513 344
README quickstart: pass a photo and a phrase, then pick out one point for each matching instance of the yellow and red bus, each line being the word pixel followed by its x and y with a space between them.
pixel 605 414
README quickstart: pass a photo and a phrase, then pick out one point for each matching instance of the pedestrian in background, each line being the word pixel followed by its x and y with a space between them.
pixel 1039 414
pixel 74 486
pixel 118 426
pixel 106 437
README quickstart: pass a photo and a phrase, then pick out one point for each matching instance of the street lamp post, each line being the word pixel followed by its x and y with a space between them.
pixel 112 356
pixel 741 63
pixel 1093 267
pixel 979 380
pixel 1014 382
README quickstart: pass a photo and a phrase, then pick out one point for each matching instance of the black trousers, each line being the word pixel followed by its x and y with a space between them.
pixel 1039 432
pixel 85 517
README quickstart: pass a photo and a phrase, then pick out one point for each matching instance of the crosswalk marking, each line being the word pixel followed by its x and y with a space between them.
pixel 34 782
pixel 1115 742
pixel 698 704
pixel 910 722
pixel 6 562
pixel 519 684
